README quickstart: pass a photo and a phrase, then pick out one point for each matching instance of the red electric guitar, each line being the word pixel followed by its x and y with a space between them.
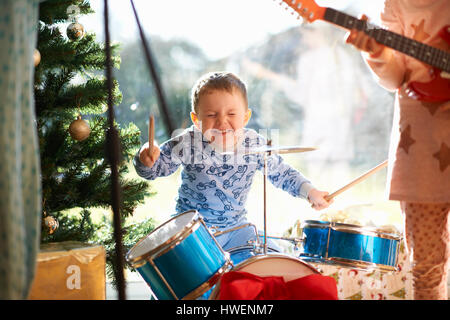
pixel 436 90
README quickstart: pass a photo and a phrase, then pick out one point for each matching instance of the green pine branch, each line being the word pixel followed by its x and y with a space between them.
pixel 56 11
pixel 78 56
pixel 76 175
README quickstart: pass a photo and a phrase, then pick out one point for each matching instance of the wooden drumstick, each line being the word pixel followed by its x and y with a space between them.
pixel 357 180
pixel 151 134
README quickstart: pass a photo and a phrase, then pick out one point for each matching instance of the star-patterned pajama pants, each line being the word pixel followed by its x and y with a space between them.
pixel 419 154
pixel 428 242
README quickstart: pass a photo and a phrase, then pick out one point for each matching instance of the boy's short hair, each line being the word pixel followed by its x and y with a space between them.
pixel 218 80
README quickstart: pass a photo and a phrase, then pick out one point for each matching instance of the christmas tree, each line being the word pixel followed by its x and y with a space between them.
pixel 71 100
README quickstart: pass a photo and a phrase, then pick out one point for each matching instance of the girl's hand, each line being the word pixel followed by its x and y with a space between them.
pixel 363 42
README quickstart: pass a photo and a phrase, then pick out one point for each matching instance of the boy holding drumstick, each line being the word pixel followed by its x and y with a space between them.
pixel 214 183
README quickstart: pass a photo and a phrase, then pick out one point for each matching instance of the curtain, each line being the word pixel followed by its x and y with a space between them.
pixel 20 188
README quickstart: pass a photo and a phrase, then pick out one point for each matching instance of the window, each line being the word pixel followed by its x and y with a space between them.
pixel 303 81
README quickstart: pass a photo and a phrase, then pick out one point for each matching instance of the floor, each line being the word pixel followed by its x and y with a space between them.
pixel 137 289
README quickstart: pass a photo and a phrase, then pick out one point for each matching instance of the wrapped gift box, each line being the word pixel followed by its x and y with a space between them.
pixel 356 284
pixel 70 271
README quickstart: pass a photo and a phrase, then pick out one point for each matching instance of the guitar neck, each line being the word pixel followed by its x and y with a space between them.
pixel 425 53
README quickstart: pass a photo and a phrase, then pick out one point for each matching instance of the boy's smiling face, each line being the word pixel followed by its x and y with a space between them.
pixel 221 114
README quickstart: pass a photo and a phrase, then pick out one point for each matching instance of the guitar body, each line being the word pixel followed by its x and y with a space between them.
pixel 436 90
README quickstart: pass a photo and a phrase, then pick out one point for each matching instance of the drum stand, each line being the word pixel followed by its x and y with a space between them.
pixel 267 151
pixel 295 241
pixel 269 142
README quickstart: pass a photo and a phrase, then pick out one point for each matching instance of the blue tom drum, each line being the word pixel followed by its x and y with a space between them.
pixel 180 259
pixel 349 245
pixel 240 254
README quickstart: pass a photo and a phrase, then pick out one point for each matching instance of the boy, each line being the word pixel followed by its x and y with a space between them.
pixel 217 172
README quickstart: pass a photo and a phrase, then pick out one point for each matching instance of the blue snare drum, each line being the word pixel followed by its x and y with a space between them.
pixel 180 259
pixel 240 254
pixel 349 245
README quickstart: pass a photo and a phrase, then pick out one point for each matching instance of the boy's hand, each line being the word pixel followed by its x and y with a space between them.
pixel 150 151
pixel 147 158
pixel 317 199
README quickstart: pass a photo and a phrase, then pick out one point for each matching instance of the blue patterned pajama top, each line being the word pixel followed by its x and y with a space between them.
pixel 215 184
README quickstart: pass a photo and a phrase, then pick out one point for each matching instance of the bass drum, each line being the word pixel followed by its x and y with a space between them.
pixel 279 265
pixel 237 256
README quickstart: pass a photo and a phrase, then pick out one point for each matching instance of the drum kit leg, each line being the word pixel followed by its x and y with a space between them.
pixel 182 259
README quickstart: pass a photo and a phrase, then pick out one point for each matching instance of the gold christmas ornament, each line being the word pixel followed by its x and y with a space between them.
pixel 79 129
pixel 75 31
pixel 51 224
pixel 37 57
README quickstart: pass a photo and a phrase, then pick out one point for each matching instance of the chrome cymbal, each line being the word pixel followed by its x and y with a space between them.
pixel 275 149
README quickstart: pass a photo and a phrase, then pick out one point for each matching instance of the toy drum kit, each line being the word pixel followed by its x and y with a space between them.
pixel 349 245
pixel 181 259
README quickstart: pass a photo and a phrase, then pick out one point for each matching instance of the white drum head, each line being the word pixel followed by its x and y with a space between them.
pixel 161 235
pixel 277 265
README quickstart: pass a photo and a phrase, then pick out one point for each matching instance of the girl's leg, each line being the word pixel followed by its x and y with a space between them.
pixel 428 244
